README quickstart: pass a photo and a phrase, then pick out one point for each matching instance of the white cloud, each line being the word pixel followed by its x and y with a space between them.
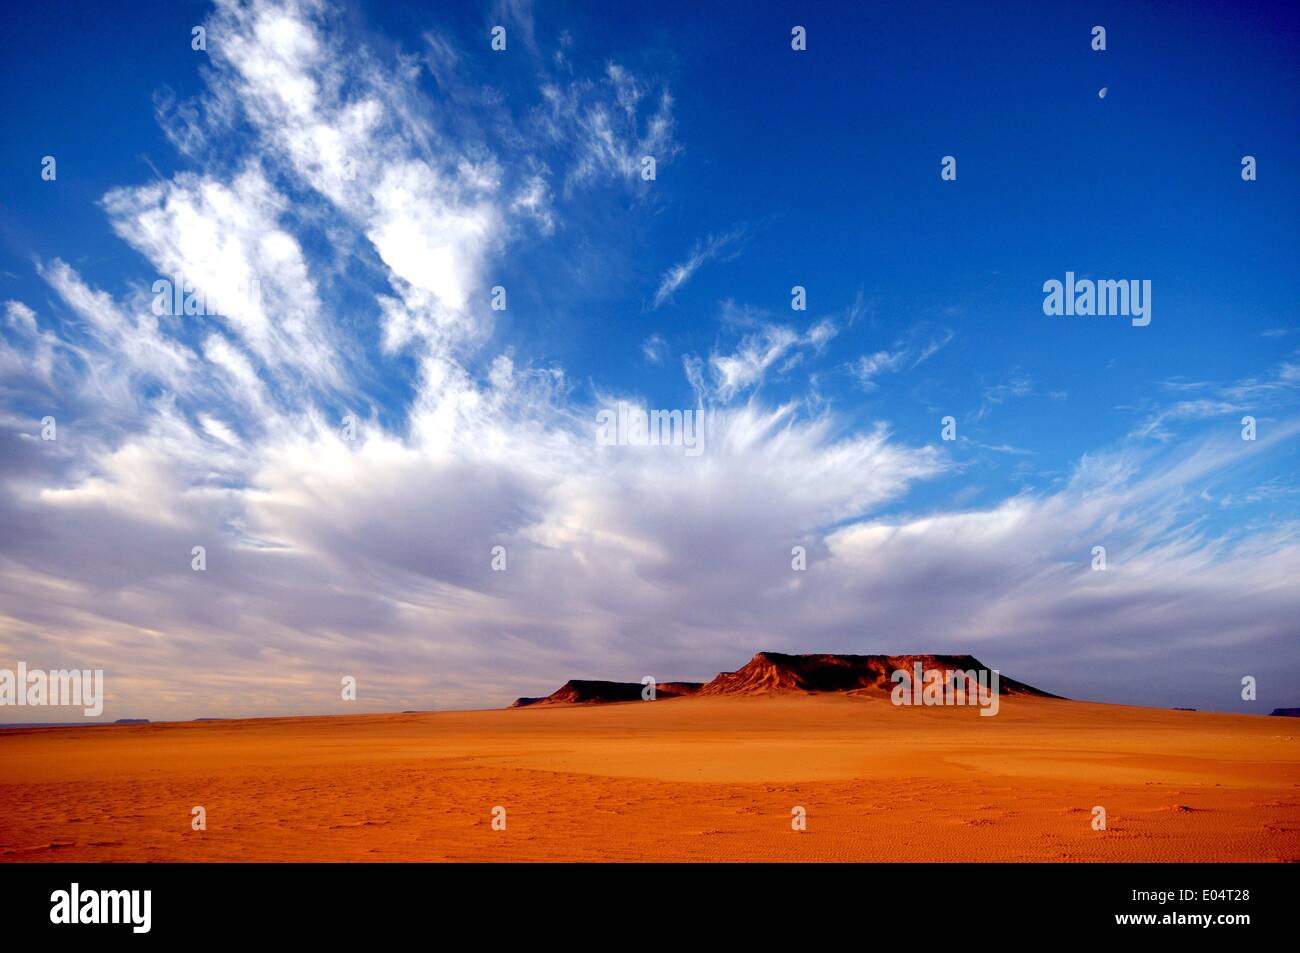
pixel 933 347
pixel 711 248
pixel 534 201
pixel 33 352
pixel 1206 400
pixel 131 344
pixel 747 366
pixel 994 395
pixel 904 354
pixel 871 366
pixel 354 132
pixel 760 350
pixel 611 124
pixel 654 348
pixel 228 243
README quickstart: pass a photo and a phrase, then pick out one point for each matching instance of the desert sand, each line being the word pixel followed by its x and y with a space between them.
pixel 691 778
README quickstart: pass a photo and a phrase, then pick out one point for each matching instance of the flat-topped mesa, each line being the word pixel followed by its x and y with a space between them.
pixel 677 689
pixel 588 691
pixel 774 672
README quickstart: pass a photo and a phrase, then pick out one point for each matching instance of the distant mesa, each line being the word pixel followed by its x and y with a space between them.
pixel 775 673
pixel 584 692
pixel 76 724
pixel 1286 712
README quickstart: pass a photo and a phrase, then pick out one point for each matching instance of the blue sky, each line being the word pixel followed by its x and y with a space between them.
pixel 379 168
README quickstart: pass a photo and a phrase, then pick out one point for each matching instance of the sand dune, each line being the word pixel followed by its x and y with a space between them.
pixel 698 778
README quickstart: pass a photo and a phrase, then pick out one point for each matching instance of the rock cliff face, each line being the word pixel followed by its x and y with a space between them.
pixel 769 672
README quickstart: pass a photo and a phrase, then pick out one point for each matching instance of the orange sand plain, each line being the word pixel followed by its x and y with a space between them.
pixel 679 779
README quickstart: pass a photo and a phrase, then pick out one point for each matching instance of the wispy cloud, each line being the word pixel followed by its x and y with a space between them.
pixel 908 354
pixel 933 347
pixel 766 346
pixel 609 126
pixel 713 247
pixel 654 348
pixel 1205 400
pixel 871 366
pixel 994 395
